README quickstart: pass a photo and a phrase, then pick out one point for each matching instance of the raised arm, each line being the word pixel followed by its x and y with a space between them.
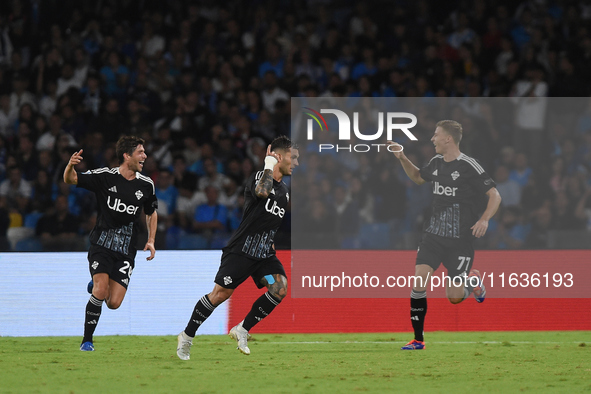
pixel 70 174
pixel 413 172
pixel 265 184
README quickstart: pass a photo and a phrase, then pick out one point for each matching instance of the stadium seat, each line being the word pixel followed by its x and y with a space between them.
pixel 375 236
pixel 32 218
pixel 218 241
pixel 15 234
pixel 172 238
pixel 192 241
pixel 28 245
pixel 565 239
pixel 351 242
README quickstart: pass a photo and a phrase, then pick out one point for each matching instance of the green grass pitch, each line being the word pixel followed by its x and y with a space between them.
pixel 327 363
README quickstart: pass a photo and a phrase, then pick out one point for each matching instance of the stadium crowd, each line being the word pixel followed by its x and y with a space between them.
pixel 208 84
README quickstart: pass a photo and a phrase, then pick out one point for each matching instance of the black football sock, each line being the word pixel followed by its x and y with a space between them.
pixel 260 309
pixel 202 310
pixel 91 318
pixel 418 310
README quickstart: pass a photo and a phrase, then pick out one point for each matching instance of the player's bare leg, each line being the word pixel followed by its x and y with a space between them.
pixel 418 305
pixel 471 284
pixel 100 292
pixel 101 286
pixel 219 294
pixel 116 294
pixel 278 288
pixel 424 272
pixel 455 291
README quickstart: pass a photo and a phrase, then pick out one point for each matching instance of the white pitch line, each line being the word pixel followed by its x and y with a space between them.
pixel 434 342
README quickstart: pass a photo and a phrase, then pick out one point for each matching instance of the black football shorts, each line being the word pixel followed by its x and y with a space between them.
pixel 116 265
pixel 457 255
pixel 235 269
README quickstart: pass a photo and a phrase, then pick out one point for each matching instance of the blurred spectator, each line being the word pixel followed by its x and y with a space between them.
pixel 521 171
pixel 229 194
pixel 20 95
pixel 166 193
pixel 272 93
pixel 15 191
pixel 529 96
pixel 508 231
pixel 564 214
pixel 583 208
pixel 44 192
pixel 273 63
pixel 58 228
pixel 27 157
pixel 72 123
pixel 367 67
pixel 320 223
pixel 48 140
pixel 462 34
pixel 7 116
pixel 538 238
pixel 535 194
pixel 48 68
pixel 110 122
pixel 92 97
pixel 26 114
pixel 114 76
pixel 557 175
pixel 347 213
pixel 509 189
pixel 211 216
pixel 48 103
pixel 212 177
pixel 152 44
pixel 235 215
pixel 182 177
pixel 6 47
pixel 68 80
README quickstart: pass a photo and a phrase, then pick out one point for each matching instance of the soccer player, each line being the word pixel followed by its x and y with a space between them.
pixel 121 193
pixel 250 251
pixel 459 186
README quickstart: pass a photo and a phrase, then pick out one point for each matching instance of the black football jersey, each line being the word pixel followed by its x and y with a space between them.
pixel 120 202
pixel 261 220
pixel 459 189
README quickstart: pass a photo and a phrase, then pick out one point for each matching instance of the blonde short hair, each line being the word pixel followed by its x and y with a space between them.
pixel 452 128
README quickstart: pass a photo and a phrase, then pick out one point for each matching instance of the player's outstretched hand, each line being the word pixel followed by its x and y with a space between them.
pixel 150 246
pixel 479 229
pixel 76 158
pixel 395 148
pixel 271 153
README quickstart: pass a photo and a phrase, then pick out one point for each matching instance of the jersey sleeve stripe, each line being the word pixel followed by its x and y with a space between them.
pixel 258 176
pixel 434 157
pixel 147 179
pixel 100 170
pixel 473 163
